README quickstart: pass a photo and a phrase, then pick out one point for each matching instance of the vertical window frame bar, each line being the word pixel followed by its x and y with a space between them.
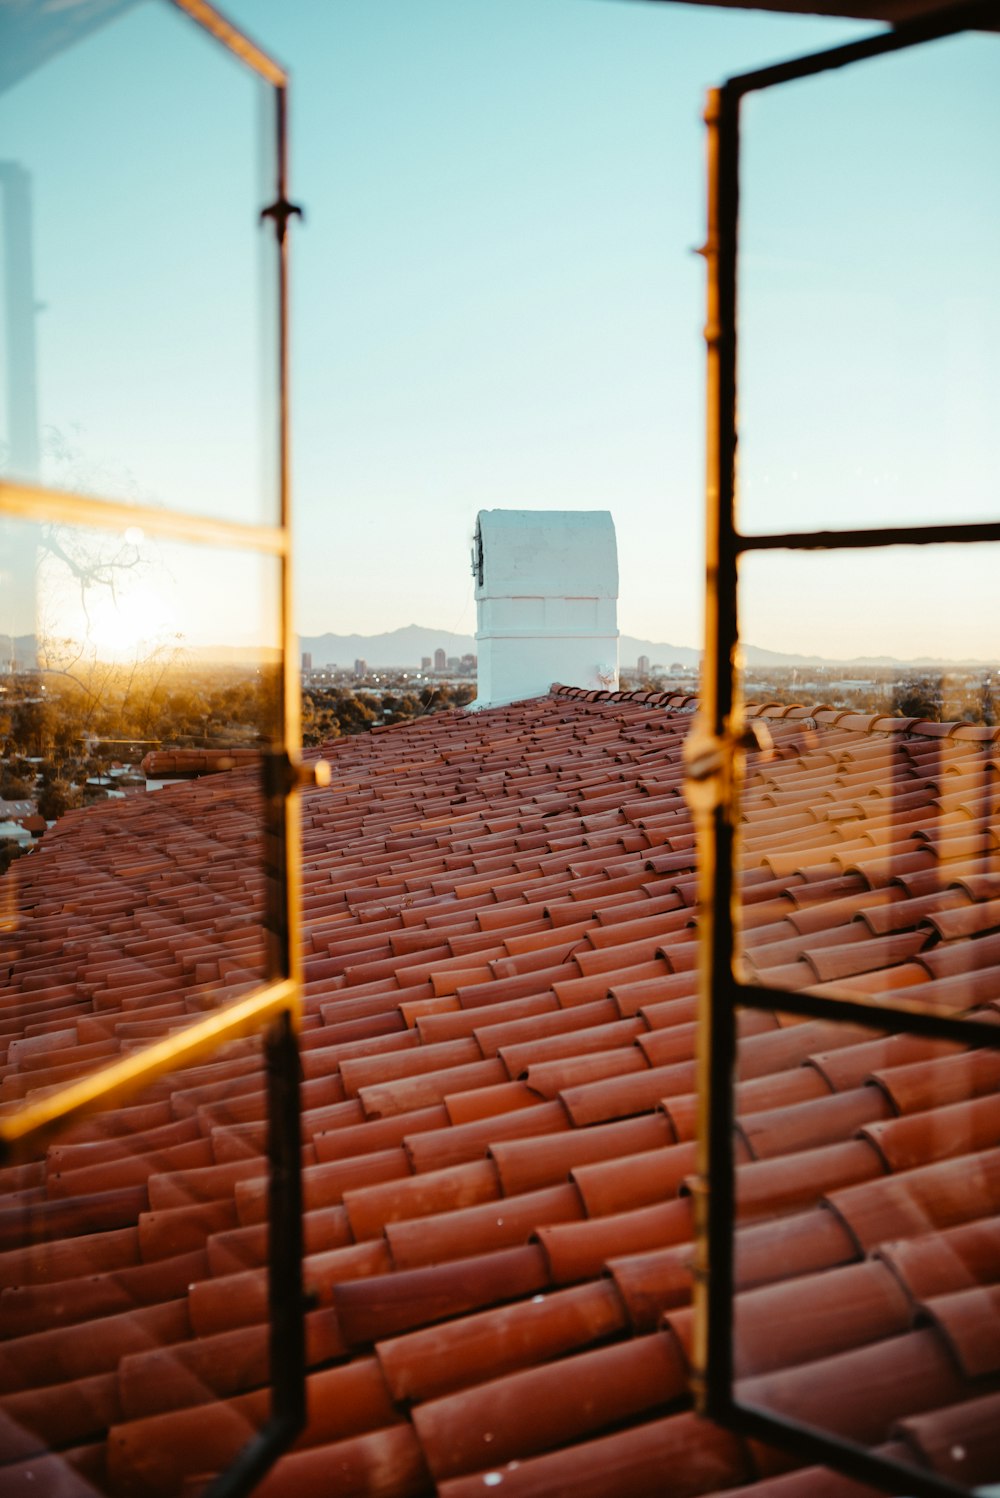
pixel 712 787
pixel 281 776
pixel 285 1285
pixel 713 757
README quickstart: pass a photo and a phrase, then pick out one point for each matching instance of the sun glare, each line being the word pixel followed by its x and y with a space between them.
pixel 130 622
pixel 132 626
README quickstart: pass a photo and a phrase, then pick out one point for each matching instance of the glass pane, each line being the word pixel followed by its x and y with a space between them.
pixel 868 1242
pixel 133 1261
pixel 126 668
pixel 871 854
pixel 869 316
pixel 136 315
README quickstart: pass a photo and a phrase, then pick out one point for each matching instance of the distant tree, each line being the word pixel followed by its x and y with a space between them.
pixel 439 698
pixel 920 698
pixel 32 727
pixel 9 851
pixel 13 788
pixel 353 715
pixel 56 798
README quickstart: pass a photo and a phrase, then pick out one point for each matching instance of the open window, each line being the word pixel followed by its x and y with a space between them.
pixel 145 558
pixel 826 384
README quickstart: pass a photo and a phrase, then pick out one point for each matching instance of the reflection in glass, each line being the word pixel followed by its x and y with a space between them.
pixel 869 320
pixel 117 619
pixel 867 1245
pixel 134 1299
pixel 871 823
pixel 889 614
pixel 125 668
pixel 132 363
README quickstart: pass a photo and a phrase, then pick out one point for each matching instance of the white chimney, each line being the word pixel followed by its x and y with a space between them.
pixel 547 600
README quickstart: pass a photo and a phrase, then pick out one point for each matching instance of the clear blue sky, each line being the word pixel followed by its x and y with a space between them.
pixel 496 301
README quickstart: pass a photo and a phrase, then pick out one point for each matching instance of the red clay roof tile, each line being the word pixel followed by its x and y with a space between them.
pixel 462 1232
pixel 777 1326
pixel 928 1198
pixel 959 1442
pixel 491 897
pixel 442 1358
pixel 955 1259
pixel 577 1250
pixel 372 1309
pixel 699 1456
pixel 523 1165
pixel 859 1394
pixel 539 1409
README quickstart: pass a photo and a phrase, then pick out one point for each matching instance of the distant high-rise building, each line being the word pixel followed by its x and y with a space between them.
pixel 360 669
pixel 307 660
pixel 440 660
pixel 425 663
pixel 643 666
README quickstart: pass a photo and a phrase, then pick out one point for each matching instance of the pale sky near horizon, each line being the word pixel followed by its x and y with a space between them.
pixel 496 303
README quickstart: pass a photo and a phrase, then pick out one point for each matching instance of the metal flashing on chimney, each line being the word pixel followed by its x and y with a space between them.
pixel 547 602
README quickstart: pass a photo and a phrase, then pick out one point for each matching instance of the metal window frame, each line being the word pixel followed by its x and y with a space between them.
pixel 275 1007
pixel 714 757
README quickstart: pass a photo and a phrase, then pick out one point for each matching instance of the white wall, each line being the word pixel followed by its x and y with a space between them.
pixel 547 601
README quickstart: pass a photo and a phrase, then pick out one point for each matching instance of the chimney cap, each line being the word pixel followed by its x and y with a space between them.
pixel 572 553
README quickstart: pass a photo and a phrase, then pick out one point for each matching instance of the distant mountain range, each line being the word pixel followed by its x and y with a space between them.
pixel 408 645
pixel 397 647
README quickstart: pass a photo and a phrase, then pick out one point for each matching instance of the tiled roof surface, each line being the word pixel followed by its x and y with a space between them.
pixel 499 1116
pixel 193 762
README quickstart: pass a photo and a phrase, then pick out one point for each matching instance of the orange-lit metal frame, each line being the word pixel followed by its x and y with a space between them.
pixel 274 1008
pixel 714 766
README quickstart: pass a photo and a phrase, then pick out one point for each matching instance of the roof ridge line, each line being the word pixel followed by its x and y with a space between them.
pixel 817 715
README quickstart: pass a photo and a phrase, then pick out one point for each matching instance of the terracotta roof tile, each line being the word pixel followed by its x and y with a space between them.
pixel 539 1409
pixel 60 1415
pixel 70 1352
pixel 499 1115
pixel 439 1148
pixel 775 1327
pixel 379 1307
pixel 461 1233
pixel 959 1442
pixel 578 1250
pixel 939 1263
pixel 524 1165
pixel 553 1078
pixel 876 1385
pixel 440 1359
pixel 699 1456
pixel 928 1198
pixel 807 1125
